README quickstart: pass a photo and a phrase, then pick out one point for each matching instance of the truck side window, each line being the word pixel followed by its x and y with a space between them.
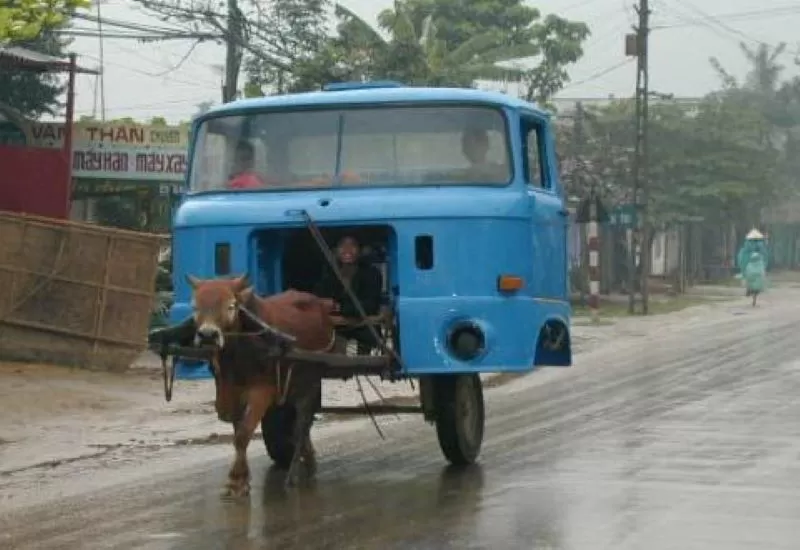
pixel 533 150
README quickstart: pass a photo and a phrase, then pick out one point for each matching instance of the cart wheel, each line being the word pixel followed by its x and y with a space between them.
pixel 277 429
pixel 459 417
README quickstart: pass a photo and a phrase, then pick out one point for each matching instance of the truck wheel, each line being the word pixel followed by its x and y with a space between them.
pixel 277 429
pixel 459 416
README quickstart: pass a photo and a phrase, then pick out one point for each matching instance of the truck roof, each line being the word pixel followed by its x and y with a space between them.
pixel 375 95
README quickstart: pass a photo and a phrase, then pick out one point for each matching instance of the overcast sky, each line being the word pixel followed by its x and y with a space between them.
pixel 139 82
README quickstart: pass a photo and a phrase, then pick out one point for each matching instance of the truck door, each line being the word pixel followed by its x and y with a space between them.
pixel 549 216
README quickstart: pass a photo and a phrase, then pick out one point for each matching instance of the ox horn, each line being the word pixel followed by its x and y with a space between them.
pixel 241 282
pixel 193 281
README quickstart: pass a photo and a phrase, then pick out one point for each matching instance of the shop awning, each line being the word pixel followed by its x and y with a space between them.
pixel 23 58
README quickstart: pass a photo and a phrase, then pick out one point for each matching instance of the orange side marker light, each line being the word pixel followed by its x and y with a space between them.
pixel 510 283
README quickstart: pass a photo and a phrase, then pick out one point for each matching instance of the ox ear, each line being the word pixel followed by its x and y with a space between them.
pixel 193 281
pixel 241 282
pixel 246 294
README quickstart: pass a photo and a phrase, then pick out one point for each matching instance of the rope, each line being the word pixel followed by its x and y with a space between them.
pixel 285 390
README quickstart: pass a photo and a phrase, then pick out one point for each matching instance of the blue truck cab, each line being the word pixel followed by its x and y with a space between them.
pixel 454 192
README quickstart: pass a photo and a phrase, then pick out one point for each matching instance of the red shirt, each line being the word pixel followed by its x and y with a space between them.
pixel 246 180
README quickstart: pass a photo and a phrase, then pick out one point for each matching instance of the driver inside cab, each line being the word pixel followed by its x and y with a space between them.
pixel 243 175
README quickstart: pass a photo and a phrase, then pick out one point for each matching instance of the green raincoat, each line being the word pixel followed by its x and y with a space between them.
pixel 755 273
pixel 753 243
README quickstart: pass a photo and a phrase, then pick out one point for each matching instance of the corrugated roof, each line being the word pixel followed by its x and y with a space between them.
pixel 36 61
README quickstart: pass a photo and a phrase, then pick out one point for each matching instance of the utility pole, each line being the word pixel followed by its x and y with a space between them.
pixel 637 45
pixel 233 54
pixel 101 77
pixel 592 228
pixel 591 212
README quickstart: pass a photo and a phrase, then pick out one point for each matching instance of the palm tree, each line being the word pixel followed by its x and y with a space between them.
pixel 417 56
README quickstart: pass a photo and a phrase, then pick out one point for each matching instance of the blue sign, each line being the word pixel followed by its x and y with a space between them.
pixel 624 215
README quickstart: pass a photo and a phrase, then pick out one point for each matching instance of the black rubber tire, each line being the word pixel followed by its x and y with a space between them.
pixel 460 417
pixel 277 429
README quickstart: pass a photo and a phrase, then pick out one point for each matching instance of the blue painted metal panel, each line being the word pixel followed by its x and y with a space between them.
pixel 349 205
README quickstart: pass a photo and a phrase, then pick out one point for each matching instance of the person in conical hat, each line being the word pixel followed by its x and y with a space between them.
pixel 755 274
pixel 754 242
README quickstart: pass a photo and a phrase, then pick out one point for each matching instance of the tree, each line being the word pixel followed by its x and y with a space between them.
pixel 26 19
pixel 304 21
pixel 550 45
pixel 300 26
pixel 778 103
pixel 273 38
pixel 35 94
pixel 707 161
pixel 560 44
pixel 422 48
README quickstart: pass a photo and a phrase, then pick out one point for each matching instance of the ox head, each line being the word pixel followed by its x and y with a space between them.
pixel 215 305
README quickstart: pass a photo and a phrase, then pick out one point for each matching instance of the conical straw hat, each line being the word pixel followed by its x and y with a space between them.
pixel 754 234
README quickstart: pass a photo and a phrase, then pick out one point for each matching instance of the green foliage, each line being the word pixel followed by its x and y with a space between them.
pixel 722 160
pixel 26 19
pixel 299 28
pixel 35 94
pixel 457 42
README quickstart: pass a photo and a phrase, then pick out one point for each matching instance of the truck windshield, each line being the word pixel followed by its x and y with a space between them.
pixel 402 146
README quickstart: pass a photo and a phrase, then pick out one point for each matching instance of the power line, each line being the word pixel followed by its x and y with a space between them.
pixel 127 24
pixel 713 24
pixel 598 74
pixel 751 15
pixel 155 105
pixel 135 70
pixel 183 60
pixel 712 19
pixel 91 33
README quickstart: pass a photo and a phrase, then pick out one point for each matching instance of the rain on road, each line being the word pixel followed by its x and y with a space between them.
pixel 685 439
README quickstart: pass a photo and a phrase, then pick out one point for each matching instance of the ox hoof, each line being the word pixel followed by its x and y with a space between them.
pixel 236 489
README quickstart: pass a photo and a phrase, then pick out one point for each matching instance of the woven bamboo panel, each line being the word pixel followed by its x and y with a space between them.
pixel 73 293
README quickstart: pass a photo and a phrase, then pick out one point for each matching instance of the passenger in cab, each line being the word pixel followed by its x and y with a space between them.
pixel 244 175
pixel 475 147
pixel 366 282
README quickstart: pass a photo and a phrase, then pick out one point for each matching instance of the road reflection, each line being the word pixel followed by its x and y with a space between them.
pixel 370 512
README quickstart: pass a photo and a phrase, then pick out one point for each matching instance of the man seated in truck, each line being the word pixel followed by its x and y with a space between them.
pixel 475 147
pixel 366 282
pixel 243 175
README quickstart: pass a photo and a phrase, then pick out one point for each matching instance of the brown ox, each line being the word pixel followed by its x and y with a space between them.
pixel 248 383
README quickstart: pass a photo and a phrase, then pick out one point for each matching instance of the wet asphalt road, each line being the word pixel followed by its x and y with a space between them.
pixel 687 439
